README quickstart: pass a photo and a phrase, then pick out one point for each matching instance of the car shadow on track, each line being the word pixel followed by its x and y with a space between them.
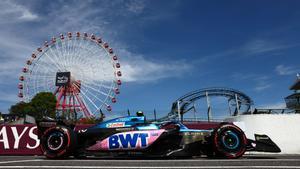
pixel 157 158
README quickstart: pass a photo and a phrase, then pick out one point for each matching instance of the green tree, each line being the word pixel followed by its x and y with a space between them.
pixel 21 109
pixel 42 104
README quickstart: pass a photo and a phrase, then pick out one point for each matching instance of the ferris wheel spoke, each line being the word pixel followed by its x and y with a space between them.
pixel 80 49
pixel 91 83
pixel 90 95
pixel 106 87
pixel 97 90
pixel 41 82
pixel 63 51
pixel 54 52
pixel 39 86
pixel 58 48
pixel 56 56
pixel 72 50
pixel 87 91
pixel 76 59
pixel 88 98
pixel 102 85
pixel 91 53
pixel 86 54
pixel 66 51
pixel 77 50
pixel 45 72
pixel 42 76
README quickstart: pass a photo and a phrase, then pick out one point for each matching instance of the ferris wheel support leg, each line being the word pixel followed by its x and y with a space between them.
pixel 64 102
pixel 69 107
pixel 84 109
pixel 56 91
pixel 60 91
pixel 74 105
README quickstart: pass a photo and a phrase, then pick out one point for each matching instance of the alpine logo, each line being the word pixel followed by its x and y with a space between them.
pixel 128 141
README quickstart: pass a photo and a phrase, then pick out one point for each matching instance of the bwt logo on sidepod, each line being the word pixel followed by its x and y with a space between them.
pixel 128 141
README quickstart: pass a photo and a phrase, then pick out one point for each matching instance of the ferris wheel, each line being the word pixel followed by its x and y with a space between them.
pixel 81 70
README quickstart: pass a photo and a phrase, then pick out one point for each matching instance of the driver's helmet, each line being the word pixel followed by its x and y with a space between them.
pixel 140 113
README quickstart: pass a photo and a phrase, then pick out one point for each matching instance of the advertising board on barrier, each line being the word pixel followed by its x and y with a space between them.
pixel 19 140
pixel 22 139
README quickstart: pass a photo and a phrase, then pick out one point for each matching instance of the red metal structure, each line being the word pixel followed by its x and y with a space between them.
pixel 82 71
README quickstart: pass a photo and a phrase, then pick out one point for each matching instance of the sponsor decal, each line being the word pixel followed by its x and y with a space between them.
pixel 125 129
pixel 261 137
pixel 128 141
pixel 82 131
pixel 131 140
pixel 115 125
pixel 62 78
pixel 19 136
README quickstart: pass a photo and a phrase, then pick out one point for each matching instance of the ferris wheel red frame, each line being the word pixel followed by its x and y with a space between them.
pixel 74 95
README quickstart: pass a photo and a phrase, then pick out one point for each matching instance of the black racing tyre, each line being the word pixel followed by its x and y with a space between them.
pixel 229 141
pixel 58 142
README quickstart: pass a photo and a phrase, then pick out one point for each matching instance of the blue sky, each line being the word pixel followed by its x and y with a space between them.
pixel 168 47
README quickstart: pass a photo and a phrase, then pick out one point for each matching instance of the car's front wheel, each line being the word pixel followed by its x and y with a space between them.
pixel 58 142
pixel 229 141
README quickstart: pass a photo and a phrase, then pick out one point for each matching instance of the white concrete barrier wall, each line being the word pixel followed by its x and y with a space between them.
pixel 283 129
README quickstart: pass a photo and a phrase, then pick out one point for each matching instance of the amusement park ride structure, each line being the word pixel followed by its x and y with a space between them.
pixel 81 70
pixel 237 101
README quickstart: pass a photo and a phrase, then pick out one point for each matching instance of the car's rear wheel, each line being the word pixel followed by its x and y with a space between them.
pixel 229 141
pixel 58 142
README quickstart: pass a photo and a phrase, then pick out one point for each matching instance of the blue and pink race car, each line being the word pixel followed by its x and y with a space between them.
pixel 134 136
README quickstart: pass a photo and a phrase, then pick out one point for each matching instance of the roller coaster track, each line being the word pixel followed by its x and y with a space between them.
pixel 185 102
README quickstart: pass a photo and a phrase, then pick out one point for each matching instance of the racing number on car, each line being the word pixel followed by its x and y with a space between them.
pixel 128 141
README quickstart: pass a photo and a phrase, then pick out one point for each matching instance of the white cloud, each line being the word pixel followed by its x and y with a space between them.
pixel 12 12
pixel 260 82
pixel 8 96
pixel 136 6
pixel 258 46
pixel 286 70
pixel 135 67
pixel 138 69
pixel 261 87
pixel 14 53
pixel 254 47
pixel 16 46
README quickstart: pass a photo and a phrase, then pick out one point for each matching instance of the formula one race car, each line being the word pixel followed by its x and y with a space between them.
pixel 133 136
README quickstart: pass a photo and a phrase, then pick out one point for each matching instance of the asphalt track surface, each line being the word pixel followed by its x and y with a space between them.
pixel 248 161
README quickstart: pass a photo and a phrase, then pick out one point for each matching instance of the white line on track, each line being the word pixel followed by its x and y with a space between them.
pixel 19 161
pixel 156 167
